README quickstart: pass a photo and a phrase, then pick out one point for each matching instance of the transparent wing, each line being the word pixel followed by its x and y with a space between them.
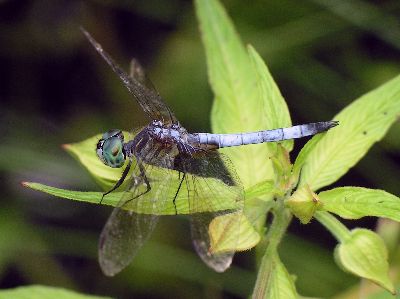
pixel 123 235
pixel 210 182
pixel 149 99
pixel 137 72
pixel 131 223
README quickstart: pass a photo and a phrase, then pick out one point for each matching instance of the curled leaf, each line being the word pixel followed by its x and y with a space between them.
pixel 364 254
pixel 227 234
pixel 303 203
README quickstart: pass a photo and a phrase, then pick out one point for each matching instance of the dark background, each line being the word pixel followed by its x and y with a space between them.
pixel 55 89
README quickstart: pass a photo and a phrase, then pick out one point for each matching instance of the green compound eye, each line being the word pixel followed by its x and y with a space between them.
pixel 110 149
pixel 113 133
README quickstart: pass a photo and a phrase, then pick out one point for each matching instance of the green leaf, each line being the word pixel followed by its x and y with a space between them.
pixel 238 106
pixel 273 280
pixel 361 251
pixel 43 292
pixel 364 254
pixel 382 294
pixel 112 199
pixel 261 190
pixel 304 155
pixel 258 202
pixel 226 233
pixel 362 123
pixel 275 108
pixel 303 203
pixel 357 202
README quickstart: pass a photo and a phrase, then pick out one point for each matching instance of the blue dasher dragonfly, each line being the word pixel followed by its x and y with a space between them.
pixel 169 162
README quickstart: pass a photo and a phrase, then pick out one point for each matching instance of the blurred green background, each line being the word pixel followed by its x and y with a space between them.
pixel 55 89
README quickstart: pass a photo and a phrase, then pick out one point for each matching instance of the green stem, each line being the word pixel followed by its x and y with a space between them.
pixel 337 228
pixel 282 218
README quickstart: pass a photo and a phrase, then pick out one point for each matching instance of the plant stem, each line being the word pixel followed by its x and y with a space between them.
pixel 338 229
pixel 282 218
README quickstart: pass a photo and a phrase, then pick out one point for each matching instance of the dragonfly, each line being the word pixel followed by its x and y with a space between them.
pixel 167 163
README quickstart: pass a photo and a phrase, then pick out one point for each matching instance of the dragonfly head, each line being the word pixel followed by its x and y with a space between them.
pixel 110 149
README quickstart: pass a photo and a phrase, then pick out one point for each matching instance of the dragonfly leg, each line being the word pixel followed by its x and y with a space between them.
pixel 177 191
pixel 120 181
pixel 143 175
pixel 144 178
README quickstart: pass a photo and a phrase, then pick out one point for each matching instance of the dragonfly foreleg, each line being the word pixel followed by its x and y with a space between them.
pixel 120 181
pixel 141 178
pixel 177 191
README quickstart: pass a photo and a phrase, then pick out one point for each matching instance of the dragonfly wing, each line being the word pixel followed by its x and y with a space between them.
pixel 149 99
pixel 131 223
pixel 123 235
pixel 137 72
pixel 216 201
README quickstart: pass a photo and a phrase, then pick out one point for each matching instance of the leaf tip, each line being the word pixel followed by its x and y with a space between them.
pixel 25 184
pixel 250 47
pixel 66 146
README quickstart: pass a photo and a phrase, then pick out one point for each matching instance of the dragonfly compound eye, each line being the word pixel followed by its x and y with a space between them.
pixel 110 150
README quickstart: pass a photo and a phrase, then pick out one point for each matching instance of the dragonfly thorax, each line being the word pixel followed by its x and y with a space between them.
pixel 168 134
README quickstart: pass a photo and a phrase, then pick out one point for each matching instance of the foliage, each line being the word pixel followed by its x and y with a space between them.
pixel 234 72
pixel 43 292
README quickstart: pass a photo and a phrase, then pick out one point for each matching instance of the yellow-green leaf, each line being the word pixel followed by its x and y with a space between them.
pixel 273 280
pixel 238 106
pixel 263 190
pixel 112 199
pixel 357 202
pixel 362 123
pixel 364 254
pixel 303 203
pixel 227 234
pixel 275 108
pixel 43 292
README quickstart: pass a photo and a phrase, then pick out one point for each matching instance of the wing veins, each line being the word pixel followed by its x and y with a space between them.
pixel 150 101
